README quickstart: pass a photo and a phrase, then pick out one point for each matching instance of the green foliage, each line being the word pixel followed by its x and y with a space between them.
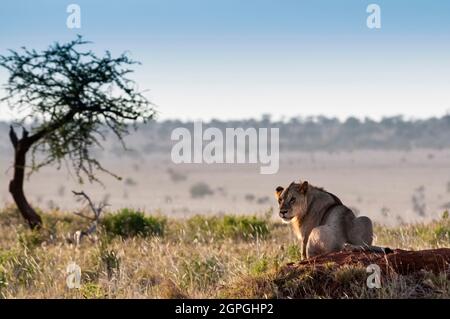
pixel 442 233
pixel 227 227
pixel 431 235
pixel 294 252
pixel 71 88
pixel 111 262
pixel 18 265
pixel 260 266
pixel 31 238
pixel 130 223
pixel 200 272
pixel 3 280
pixel 92 291
pixel 3 271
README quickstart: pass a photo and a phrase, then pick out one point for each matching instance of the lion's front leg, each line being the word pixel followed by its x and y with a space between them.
pixel 304 243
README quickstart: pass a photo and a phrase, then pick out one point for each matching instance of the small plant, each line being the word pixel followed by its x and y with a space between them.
pixel 130 223
pixel 294 253
pixel 442 233
pixel 111 262
pixel 176 176
pixel 21 266
pixel 31 238
pixel 249 197
pixel 200 190
pixel 260 266
pixel 263 200
pixel 92 291
pixel 418 201
pixel 3 280
pixel 201 272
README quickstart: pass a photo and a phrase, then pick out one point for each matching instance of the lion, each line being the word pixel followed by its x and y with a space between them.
pixel 322 223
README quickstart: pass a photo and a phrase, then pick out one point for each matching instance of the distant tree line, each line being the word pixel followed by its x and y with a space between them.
pixel 331 134
pixel 313 133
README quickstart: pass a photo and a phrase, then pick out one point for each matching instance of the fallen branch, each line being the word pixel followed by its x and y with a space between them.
pixel 95 220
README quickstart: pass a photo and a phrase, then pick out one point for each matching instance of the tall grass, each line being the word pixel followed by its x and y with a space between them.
pixel 136 255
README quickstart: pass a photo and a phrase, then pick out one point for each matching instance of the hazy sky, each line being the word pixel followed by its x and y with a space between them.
pixel 233 58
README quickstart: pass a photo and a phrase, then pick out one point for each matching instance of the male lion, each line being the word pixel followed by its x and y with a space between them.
pixel 321 222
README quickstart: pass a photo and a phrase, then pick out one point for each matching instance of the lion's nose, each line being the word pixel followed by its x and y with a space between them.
pixel 283 213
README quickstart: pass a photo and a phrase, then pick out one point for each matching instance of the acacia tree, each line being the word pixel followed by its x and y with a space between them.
pixel 66 100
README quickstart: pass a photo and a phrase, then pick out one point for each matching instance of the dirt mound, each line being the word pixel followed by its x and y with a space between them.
pixel 404 274
pixel 402 262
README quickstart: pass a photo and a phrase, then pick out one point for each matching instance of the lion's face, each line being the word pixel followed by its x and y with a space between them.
pixel 292 200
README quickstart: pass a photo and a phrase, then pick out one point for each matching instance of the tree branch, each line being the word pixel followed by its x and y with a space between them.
pixel 95 220
pixel 13 136
pixel 49 129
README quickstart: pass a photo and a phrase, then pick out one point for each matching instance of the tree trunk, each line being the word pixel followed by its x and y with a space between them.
pixel 21 148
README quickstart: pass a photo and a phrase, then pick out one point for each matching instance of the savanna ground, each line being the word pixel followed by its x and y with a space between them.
pixel 138 255
pixel 390 187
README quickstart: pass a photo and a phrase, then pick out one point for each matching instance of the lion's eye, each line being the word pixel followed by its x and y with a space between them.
pixel 292 201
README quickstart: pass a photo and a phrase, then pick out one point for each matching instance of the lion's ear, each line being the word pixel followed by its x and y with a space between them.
pixel 278 191
pixel 304 187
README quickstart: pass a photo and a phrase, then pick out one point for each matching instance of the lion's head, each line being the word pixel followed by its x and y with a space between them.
pixel 292 201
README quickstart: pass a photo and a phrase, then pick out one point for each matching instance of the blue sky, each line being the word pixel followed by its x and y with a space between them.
pixel 234 59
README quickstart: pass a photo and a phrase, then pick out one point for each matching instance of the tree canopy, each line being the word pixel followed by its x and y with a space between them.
pixel 68 99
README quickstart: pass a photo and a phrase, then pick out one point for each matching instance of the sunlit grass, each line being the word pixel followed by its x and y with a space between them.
pixel 198 257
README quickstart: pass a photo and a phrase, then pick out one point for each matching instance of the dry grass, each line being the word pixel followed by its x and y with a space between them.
pixel 191 260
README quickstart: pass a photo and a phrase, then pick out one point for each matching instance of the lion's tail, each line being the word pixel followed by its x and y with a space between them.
pixel 368 248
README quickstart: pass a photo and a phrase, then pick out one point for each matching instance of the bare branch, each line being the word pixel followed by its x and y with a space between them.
pixel 84 216
pixel 85 196
pixel 95 219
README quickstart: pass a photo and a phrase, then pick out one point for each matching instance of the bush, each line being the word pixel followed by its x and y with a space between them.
pixel 200 190
pixel 130 223
pixel 442 233
pixel 229 226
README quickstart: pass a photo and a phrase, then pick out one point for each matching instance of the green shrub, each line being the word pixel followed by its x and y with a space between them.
pixel 130 223
pixel 200 190
pixel 111 262
pixel 294 253
pixel 442 233
pixel 260 266
pixel 200 272
pixel 19 266
pixel 227 227
pixel 31 238
pixel 92 291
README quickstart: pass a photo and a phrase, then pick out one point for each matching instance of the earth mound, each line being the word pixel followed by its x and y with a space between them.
pixel 402 262
pixel 344 274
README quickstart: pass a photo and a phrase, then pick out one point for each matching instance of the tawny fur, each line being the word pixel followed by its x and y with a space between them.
pixel 321 222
